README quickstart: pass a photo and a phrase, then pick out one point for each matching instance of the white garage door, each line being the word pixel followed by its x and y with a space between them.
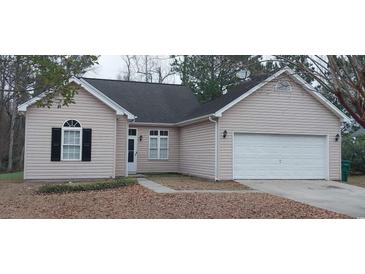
pixel 273 156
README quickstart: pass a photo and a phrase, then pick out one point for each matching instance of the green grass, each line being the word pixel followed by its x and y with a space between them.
pixel 11 176
pixel 79 186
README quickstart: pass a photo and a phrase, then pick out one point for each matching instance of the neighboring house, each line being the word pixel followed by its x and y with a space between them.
pixel 271 127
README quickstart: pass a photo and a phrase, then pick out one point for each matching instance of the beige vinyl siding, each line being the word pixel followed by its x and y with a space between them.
pixel 121 147
pixel 270 111
pixel 146 165
pixel 91 113
pixel 197 149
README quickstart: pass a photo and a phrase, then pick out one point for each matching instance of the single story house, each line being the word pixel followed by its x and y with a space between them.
pixel 271 127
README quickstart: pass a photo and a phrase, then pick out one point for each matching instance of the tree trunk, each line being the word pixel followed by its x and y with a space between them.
pixel 22 130
pixel 21 163
pixel 11 137
pixel 2 92
pixel 146 67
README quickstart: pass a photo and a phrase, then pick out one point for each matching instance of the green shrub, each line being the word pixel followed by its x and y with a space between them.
pixel 75 187
pixel 354 150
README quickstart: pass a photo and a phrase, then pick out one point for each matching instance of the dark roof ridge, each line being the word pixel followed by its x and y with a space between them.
pixel 134 82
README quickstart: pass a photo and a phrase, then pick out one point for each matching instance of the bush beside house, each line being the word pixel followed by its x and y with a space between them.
pixel 76 187
pixel 353 149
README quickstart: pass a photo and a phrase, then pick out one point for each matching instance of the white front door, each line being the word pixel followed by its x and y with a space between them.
pixel 274 156
pixel 132 151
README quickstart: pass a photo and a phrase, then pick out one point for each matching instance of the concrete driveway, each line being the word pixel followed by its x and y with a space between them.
pixel 338 197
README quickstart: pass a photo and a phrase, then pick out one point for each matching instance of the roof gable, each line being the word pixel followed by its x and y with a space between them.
pixel 222 101
pixel 269 110
pixel 246 89
pixel 92 90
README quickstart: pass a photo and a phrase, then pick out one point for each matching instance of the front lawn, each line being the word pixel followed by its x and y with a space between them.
pixel 134 201
pixel 13 176
pixel 357 180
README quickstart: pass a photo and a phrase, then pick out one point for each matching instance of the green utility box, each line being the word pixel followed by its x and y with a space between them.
pixel 345 170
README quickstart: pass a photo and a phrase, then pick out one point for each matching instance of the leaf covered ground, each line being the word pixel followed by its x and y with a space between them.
pixel 20 200
pixel 182 182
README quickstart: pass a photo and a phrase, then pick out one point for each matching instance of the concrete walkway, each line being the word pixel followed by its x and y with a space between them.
pixel 163 189
pixel 334 196
pixel 217 191
pixel 155 186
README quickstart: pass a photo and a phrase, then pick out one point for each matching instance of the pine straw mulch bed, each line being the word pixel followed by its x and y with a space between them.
pixel 182 182
pixel 20 200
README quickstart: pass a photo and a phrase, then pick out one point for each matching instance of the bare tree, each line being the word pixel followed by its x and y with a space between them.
pixel 147 68
pixel 342 76
pixel 128 74
pixel 13 113
pixel 145 65
pixel 163 74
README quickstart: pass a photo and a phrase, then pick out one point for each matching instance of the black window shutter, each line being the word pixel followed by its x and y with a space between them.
pixel 86 144
pixel 56 144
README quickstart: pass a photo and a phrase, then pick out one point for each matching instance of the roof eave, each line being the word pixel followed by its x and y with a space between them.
pixel 23 107
pixel 92 90
pixel 248 93
pixel 102 97
pixel 320 97
pixel 196 120
pixel 301 81
pixel 152 124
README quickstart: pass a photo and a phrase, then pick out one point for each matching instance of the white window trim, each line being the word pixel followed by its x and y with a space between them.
pixel 158 144
pixel 167 148
pixel 136 132
pixel 62 140
pixel 149 147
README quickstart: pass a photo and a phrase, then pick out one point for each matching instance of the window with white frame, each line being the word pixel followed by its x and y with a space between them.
pixel 71 140
pixel 159 145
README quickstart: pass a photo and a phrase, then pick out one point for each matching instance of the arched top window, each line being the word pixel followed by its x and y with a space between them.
pixel 283 85
pixel 71 123
pixel 71 141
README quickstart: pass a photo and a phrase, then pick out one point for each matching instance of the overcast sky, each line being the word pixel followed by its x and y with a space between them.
pixel 110 66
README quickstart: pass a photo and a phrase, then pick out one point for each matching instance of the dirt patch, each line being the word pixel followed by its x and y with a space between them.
pixel 21 201
pixel 181 182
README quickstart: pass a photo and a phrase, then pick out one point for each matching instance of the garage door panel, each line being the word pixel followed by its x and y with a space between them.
pixel 265 156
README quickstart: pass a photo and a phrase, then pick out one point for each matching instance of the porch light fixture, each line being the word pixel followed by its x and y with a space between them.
pixel 224 133
pixel 337 137
pixel 140 138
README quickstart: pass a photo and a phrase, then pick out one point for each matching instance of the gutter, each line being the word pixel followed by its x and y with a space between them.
pixel 193 120
pixel 215 147
pixel 148 124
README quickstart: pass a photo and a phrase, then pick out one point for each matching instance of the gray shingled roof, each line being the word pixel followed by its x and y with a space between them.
pixel 165 103
pixel 150 102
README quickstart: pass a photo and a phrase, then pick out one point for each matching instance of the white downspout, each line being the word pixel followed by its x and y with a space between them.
pixel 215 148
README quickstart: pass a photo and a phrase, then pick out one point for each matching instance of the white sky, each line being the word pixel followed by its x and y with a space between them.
pixel 110 66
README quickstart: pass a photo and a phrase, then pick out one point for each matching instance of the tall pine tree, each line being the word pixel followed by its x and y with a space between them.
pixel 209 76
